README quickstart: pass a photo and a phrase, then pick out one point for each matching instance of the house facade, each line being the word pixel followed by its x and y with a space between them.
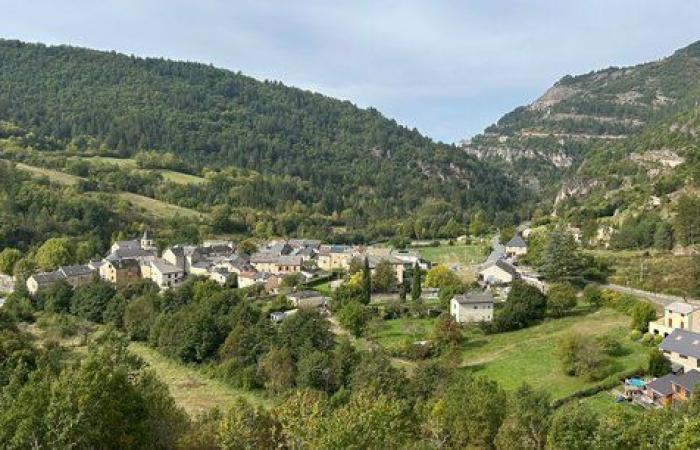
pixel 276 264
pixel 670 388
pixel 472 307
pixel 677 315
pixel 516 247
pixel 121 271
pixel 165 275
pixel 307 299
pixel 498 272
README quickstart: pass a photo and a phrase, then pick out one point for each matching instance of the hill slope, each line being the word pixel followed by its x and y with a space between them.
pixel 602 144
pixel 357 167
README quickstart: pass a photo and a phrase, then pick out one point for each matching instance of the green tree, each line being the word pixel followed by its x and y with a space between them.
pixel 367 420
pixel 642 313
pixel 139 316
pixel 561 299
pixel 278 370
pixel 441 277
pixel 8 258
pixel 248 427
pixel 524 306
pixel 354 317
pixel 447 331
pixel 90 301
pixel 416 289
pixel 659 365
pixel 57 297
pixel 573 427
pixel 478 225
pixel 316 370
pixel 562 259
pixel 582 356
pixel 695 286
pixel 458 418
pixel 384 279
pixel 528 420
pixel 54 252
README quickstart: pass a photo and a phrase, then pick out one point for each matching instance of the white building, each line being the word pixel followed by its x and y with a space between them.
pixel 472 307
pixel 165 275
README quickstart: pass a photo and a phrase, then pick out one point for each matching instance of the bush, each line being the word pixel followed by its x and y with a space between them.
pixel 610 345
pixel 658 339
pixel 583 356
pixel 592 295
pixel 561 298
pixel 648 338
pixel 635 335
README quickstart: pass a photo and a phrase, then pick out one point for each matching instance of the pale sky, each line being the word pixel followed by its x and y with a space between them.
pixel 448 68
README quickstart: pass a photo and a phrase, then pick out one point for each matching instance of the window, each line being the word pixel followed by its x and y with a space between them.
pixel 682 356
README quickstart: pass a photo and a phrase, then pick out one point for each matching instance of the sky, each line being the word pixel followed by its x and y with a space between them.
pixel 447 68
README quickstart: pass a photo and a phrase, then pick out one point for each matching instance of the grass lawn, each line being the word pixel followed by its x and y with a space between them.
pixel 604 403
pixel 657 272
pixel 528 355
pixel 158 208
pixel 455 254
pixel 390 333
pixel 192 390
pixel 53 175
pixel 524 355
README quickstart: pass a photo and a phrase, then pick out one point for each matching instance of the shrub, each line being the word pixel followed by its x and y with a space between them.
pixel 648 338
pixel 609 345
pixel 635 335
pixel 582 356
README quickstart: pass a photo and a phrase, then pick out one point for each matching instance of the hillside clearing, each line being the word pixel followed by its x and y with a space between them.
pixel 53 175
pixel 159 208
pixel 181 178
pixel 192 390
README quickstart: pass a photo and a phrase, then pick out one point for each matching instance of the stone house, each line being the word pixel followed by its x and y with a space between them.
pixel 472 307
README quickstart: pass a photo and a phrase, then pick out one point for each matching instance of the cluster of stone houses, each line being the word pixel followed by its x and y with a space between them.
pixel 133 260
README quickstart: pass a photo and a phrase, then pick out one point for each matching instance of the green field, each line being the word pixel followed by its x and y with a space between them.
pixel 455 254
pixel 53 175
pixel 121 162
pixel 192 390
pixel 168 175
pixel 525 355
pixel 158 208
pixel 181 178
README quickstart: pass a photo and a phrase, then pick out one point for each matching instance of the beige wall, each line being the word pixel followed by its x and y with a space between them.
pixel 688 363
pixel 470 313
pixel 497 274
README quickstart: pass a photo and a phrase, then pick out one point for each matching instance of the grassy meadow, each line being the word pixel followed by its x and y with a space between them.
pixel 525 355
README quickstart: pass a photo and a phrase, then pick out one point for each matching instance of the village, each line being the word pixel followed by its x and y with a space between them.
pixel 305 263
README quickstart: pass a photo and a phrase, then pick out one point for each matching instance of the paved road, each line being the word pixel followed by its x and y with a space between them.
pixel 659 299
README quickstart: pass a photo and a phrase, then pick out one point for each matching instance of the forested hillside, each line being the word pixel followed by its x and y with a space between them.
pixel 349 166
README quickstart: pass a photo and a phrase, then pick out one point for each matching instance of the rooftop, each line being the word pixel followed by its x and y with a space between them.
pixel 683 342
pixel 516 241
pixel 681 308
pixel 474 297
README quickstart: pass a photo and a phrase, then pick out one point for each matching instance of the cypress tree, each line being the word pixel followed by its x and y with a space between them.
pixel 366 283
pixel 416 289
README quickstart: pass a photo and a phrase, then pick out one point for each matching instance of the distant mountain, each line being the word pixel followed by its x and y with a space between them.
pixel 606 141
pixel 354 166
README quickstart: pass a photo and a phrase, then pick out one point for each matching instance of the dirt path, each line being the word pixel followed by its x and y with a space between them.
pixel 659 299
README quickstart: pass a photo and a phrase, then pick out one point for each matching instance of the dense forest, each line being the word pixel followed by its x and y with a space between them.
pixel 331 157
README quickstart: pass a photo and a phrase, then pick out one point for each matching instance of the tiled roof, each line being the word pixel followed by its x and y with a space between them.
pixel 75 271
